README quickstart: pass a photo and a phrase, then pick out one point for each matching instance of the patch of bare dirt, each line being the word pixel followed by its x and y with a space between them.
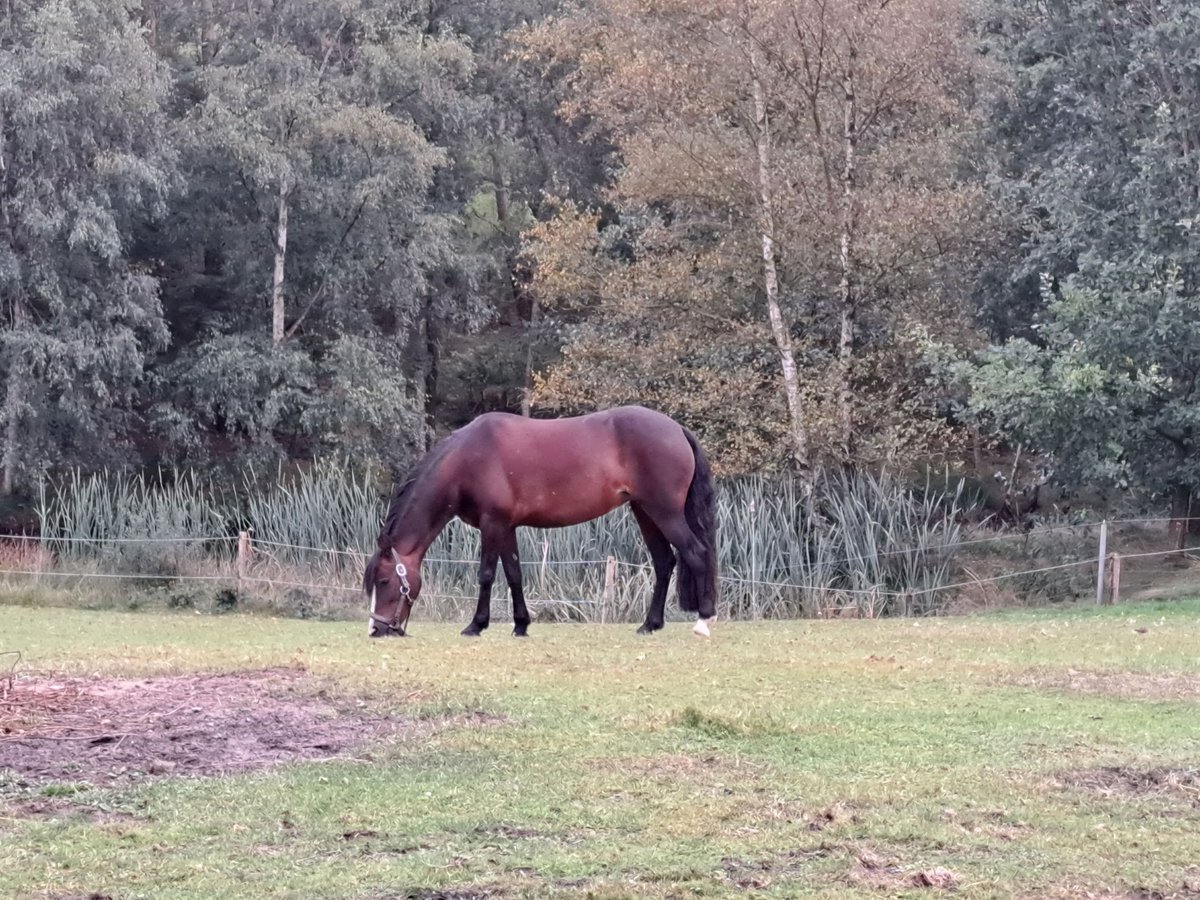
pixel 109 731
pixel 760 874
pixel 60 807
pixel 509 832
pixel 472 893
pixel 1186 891
pixel 832 816
pixel 1123 782
pixel 885 874
pixel 1127 685
pixel 995 823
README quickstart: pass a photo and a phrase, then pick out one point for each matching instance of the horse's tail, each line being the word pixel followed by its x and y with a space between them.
pixel 699 595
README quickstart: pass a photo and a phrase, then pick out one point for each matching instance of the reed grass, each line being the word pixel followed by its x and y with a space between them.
pixel 863 545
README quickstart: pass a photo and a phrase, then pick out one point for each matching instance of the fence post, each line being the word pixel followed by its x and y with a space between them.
pixel 610 587
pixel 244 550
pixel 1114 589
pixel 1100 563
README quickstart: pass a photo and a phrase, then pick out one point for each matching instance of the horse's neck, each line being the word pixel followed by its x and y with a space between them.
pixel 421 525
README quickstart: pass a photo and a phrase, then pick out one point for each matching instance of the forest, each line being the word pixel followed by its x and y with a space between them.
pixel 873 234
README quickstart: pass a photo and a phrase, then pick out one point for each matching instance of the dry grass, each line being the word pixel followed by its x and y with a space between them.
pixel 1126 685
pixel 1180 787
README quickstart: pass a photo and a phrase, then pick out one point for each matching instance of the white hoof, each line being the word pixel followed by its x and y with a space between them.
pixel 701 627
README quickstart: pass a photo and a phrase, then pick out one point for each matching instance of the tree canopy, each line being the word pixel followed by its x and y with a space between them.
pixel 863 234
pixel 1099 149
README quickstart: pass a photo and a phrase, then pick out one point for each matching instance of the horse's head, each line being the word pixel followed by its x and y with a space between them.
pixel 392 583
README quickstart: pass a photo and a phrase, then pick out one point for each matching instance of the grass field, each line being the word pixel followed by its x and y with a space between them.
pixel 1031 754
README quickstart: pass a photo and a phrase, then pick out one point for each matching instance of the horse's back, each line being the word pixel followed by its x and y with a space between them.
pixel 550 472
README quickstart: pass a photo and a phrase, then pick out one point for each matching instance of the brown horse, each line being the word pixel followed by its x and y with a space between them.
pixel 502 471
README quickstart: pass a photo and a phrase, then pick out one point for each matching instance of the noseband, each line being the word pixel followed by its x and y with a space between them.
pixel 395 626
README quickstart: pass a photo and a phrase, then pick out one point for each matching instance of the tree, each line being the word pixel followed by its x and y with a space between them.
pixel 1100 145
pixel 82 162
pixel 803 156
pixel 1111 387
pixel 523 156
pixel 314 237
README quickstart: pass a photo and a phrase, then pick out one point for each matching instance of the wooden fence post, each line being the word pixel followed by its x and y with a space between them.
pixel 610 587
pixel 244 552
pixel 1114 575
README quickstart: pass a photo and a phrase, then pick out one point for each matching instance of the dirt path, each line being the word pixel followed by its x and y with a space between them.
pixel 111 731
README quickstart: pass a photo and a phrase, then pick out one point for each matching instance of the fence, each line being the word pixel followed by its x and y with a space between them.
pixel 226 571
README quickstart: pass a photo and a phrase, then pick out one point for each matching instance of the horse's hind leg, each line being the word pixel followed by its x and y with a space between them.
pixel 663 558
pixel 693 561
pixel 511 561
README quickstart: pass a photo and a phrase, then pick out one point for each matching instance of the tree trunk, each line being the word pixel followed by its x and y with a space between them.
pixel 208 32
pixel 14 402
pixel 277 300
pixel 500 186
pixel 150 22
pixel 14 398
pixel 433 355
pixel 531 336
pixel 1181 514
pixel 780 329
pixel 848 300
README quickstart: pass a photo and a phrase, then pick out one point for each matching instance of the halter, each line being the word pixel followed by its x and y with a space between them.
pixel 395 625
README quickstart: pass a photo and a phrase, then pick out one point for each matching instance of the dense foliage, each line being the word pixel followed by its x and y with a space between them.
pixel 245 232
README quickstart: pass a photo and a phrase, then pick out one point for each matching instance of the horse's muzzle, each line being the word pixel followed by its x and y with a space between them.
pixel 385 629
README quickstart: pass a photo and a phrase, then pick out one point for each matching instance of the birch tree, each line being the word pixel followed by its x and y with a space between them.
pixel 819 139
pixel 314 223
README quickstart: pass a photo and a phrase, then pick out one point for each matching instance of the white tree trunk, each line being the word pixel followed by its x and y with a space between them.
pixel 531 336
pixel 780 329
pixel 277 298
pixel 14 398
pixel 848 299
pixel 14 402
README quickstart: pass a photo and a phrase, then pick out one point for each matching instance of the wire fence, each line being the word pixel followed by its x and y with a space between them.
pixel 1057 562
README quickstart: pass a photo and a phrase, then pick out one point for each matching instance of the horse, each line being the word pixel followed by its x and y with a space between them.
pixel 503 471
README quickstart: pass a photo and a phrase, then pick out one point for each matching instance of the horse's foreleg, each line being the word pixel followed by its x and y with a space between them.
pixel 511 561
pixel 663 558
pixel 487 575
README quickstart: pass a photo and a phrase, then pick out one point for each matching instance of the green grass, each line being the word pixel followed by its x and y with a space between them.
pixel 772 757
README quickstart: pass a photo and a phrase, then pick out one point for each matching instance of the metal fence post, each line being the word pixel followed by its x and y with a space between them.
pixel 1100 562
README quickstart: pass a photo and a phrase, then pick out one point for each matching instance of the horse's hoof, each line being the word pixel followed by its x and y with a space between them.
pixel 520 633
pixel 391 632
pixel 648 629
pixel 701 628
pixel 471 631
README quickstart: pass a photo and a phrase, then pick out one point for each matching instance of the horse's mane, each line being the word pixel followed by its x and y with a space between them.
pixel 406 492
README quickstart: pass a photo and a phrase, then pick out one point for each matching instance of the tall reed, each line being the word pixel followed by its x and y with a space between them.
pixel 169 524
pixel 862 544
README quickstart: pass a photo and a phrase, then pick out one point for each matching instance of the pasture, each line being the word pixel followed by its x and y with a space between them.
pixel 1032 753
